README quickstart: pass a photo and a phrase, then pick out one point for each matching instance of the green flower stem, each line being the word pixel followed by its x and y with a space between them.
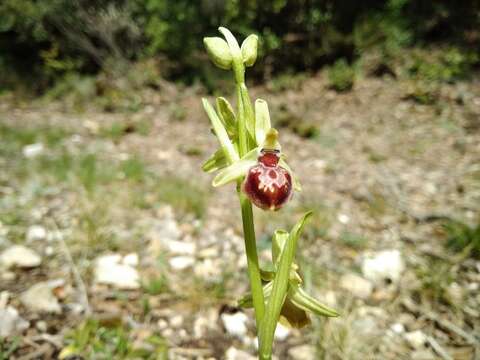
pixel 245 204
pixel 252 259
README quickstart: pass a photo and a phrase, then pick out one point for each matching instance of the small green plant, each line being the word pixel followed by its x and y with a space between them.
pixel 94 340
pixel 250 156
pixel 463 238
pixel 341 76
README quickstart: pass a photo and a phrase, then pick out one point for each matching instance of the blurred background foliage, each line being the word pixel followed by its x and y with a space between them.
pixel 44 42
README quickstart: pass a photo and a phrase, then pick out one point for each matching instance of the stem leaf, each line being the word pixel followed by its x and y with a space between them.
pixel 279 291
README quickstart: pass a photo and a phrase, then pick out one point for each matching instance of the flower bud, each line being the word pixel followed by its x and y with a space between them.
pixel 219 52
pixel 268 185
pixel 249 50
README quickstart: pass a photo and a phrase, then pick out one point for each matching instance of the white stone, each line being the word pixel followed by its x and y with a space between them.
pixel 36 232
pixel 235 354
pixel 11 323
pixel 302 352
pixel 356 285
pixel 109 270
pixel 33 150
pixel 181 262
pixel 208 269
pixel 176 321
pixel 382 266
pixel 343 218
pixel 181 247
pixel 20 256
pixel 40 298
pixel 398 328
pixel 131 259
pixel 235 324
pixel 281 332
pixel 416 339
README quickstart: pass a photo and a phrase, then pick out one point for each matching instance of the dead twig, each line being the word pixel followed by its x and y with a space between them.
pixel 438 348
pixel 76 274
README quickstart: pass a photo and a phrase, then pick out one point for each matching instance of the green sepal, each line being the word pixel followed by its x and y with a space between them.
pixel 237 170
pixel 249 113
pixel 219 52
pixel 280 288
pixel 262 121
pixel 227 115
pixel 301 299
pixel 297 186
pixel 246 301
pixel 216 162
pixel 249 50
pixel 220 132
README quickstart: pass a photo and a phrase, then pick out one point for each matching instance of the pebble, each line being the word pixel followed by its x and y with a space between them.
pixel 398 328
pixel 112 270
pixel 11 323
pixel 233 353
pixel 356 285
pixel 281 332
pixel 416 339
pixel 36 232
pixel 33 150
pixel 235 324
pixel 302 352
pixel 181 262
pixel 40 298
pixel 208 270
pixel 181 247
pixel 382 266
pixel 20 256
pixel 176 321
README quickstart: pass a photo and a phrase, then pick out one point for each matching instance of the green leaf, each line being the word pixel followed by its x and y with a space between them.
pixel 262 121
pixel 220 132
pixel 216 162
pixel 237 170
pixel 278 243
pixel 296 183
pixel 279 291
pixel 227 116
pixel 300 298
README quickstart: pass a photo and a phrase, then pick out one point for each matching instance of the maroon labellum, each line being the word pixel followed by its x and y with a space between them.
pixel 268 185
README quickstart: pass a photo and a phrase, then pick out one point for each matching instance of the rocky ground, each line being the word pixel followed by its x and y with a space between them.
pixel 113 245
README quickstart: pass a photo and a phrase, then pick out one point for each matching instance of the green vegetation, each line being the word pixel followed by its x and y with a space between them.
pixel 341 76
pixel 45 41
pixel 463 238
pixel 91 339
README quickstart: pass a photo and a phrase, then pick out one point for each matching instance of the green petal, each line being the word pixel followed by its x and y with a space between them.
pixel 262 121
pixel 279 291
pixel 227 116
pixel 300 298
pixel 221 133
pixel 216 162
pixel 296 183
pixel 237 170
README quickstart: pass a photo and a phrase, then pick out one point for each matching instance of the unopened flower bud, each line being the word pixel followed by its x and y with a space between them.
pixel 268 185
pixel 219 52
pixel 249 50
